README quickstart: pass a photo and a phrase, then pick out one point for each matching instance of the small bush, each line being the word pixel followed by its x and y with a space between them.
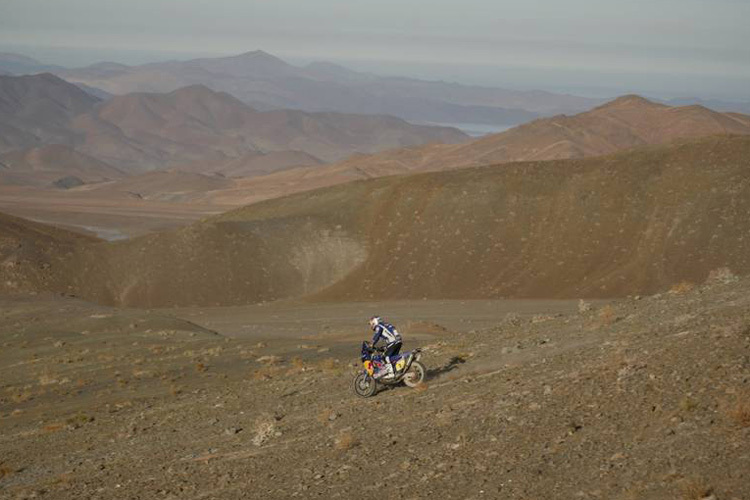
pixel 297 365
pixel 721 276
pixel 269 360
pixel 583 306
pixel 607 315
pixel 47 379
pixel 265 428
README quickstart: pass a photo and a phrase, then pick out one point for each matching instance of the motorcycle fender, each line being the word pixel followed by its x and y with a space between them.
pixel 369 368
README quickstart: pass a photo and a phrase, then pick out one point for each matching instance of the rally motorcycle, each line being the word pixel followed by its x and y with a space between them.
pixel 406 366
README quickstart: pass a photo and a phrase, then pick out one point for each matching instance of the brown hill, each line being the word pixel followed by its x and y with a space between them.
pixel 36 256
pixel 633 222
pixel 36 110
pixel 624 123
pixel 150 131
pixel 44 165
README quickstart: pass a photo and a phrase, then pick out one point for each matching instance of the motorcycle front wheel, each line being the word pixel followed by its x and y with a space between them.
pixel 364 385
pixel 415 375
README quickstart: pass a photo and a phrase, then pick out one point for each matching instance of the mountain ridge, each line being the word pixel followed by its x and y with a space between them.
pixel 265 81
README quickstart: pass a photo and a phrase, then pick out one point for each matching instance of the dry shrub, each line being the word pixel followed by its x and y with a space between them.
pixel 542 318
pixel 721 275
pixel 512 319
pixel 264 428
pixel 297 365
pixel 739 413
pixel 345 441
pixel 47 379
pixel 269 360
pixel 695 489
pixel 681 288
pixel 200 367
pixel 583 306
pixel 78 420
pixel 607 315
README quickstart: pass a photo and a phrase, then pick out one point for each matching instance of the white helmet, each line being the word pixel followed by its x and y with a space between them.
pixel 374 321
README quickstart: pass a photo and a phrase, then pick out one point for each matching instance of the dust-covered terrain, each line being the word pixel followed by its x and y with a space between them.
pixel 645 397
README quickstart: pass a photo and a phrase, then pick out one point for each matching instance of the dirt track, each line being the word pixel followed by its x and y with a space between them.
pixel 640 398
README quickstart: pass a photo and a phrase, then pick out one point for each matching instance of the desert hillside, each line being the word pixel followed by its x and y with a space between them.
pixel 35 110
pixel 190 126
pixel 625 123
pixel 35 257
pixel 149 131
pixel 44 165
pixel 630 223
pixel 642 399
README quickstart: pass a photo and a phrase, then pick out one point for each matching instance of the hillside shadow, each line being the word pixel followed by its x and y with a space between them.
pixel 454 362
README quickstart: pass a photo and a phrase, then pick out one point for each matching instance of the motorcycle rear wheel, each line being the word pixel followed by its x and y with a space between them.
pixel 364 385
pixel 416 374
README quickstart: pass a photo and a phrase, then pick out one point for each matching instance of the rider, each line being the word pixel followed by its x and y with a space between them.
pixel 392 339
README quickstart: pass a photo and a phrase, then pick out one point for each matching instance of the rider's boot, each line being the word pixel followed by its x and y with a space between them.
pixel 390 371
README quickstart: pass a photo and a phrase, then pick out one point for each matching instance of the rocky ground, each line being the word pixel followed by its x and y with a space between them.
pixel 639 398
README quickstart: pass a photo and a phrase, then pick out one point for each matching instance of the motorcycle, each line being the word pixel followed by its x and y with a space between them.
pixel 407 369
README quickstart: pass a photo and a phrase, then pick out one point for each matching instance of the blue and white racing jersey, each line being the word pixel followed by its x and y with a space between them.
pixel 387 332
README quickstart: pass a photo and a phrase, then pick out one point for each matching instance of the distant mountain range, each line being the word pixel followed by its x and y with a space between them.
pixel 266 82
pixel 147 131
pixel 19 64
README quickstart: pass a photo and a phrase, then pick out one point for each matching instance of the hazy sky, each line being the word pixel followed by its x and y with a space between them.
pixel 675 47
